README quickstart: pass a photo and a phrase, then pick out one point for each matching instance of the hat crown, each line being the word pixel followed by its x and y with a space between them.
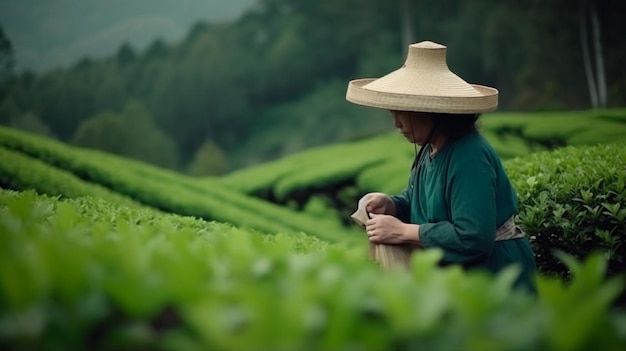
pixel 424 83
pixel 425 72
pixel 427 55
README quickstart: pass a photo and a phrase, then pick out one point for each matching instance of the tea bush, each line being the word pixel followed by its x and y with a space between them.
pixel 550 129
pixel 85 274
pixel 20 172
pixel 573 199
pixel 150 186
pixel 316 168
pixel 512 134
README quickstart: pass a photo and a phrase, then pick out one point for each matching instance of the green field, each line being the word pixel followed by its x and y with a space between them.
pixel 344 172
pixel 100 252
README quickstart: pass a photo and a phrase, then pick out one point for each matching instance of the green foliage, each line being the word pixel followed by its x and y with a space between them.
pixel 125 54
pixel 20 172
pixel 273 81
pixel 546 130
pixel 382 162
pixel 574 329
pixel 209 160
pixel 563 204
pixel 131 133
pixel 573 199
pixel 162 189
pixel 385 177
pixel 509 145
pixel 320 207
pixel 9 110
pixel 318 167
pixel 102 132
pixel 570 199
pixel 31 123
pixel 87 274
pixel 320 117
pixel 7 60
pixel 76 266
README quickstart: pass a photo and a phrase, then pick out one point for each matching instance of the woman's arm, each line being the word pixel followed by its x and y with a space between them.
pixel 471 192
pixel 386 229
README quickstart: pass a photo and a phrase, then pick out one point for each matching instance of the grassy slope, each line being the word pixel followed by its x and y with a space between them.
pixel 124 274
pixel 31 162
pixel 381 163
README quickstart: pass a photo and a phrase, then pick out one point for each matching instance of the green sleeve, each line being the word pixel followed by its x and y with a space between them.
pixel 404 199
pixel 471 197
pixel 403 207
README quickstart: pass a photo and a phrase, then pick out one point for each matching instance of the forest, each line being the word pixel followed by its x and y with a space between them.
pixel 235 94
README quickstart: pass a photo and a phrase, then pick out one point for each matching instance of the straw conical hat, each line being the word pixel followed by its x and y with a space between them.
pixel 424 83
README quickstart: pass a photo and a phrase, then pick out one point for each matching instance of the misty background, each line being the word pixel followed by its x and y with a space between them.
pixel 52 33
pixel 209 87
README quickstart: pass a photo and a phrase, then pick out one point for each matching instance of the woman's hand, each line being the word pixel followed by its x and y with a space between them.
pixel 379 203
pixel 386 229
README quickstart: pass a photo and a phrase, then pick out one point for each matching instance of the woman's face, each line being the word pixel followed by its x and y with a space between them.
pixel 414 126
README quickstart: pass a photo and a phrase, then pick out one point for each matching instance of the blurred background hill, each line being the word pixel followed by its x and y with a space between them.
pixel 208 87
pixel 52 33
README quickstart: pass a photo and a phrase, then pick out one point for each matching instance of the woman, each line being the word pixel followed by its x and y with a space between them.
pixel 459 197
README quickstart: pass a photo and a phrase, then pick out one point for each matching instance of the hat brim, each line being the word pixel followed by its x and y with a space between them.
pixel 486 102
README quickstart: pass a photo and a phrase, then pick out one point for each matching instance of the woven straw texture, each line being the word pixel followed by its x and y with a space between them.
pixel 387 256
pixel 392 256
pixel 424 83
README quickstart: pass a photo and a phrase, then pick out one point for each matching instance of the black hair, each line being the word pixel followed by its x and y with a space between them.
pixel 454 126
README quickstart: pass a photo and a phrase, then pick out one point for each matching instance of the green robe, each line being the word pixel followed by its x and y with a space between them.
pixel 459 198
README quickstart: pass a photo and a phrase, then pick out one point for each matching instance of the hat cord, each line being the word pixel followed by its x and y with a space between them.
pixel 417 162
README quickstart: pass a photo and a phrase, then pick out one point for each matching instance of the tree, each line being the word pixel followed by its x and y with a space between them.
pixel 156 50
pixel 209 160
pixel 593 58
pixel 105 131
pixel 31 123
pixel 9 110
pixel 7 60
pixel 226 81
pixel 131 133
pixel 408 36
pixel 148 142
pixel 125 54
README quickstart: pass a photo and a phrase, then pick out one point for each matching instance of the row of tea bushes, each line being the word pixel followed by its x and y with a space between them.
pixel 573 199
pixel 20 172
pixel 511 135
pixel 559 128
pixel 85 274
pixel 335 176
pixel 314 169
pixel 154 187
pixel 570 199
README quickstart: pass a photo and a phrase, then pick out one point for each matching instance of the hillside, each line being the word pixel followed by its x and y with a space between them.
pixel 58 33
pixel 271 82
pixel 100 252
pixel 339 174
pixel 56 169
pixel 314 192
